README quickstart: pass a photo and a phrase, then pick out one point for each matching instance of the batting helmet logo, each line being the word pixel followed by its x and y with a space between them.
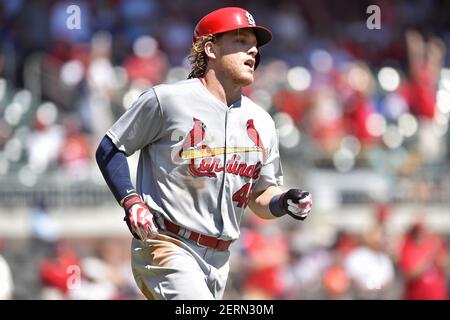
pixel 251 20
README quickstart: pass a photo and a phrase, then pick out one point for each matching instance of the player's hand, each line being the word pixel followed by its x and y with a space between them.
pixel 296 203
pixel 139 218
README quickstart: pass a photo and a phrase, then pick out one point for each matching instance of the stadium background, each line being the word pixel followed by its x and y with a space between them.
pixel 361 116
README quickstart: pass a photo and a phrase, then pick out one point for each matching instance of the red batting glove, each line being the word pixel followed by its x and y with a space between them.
pixel 139 218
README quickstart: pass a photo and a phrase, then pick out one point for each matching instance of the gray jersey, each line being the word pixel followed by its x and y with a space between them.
pixel 200 159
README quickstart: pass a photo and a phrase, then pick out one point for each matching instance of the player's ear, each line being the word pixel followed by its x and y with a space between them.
pixel 211 50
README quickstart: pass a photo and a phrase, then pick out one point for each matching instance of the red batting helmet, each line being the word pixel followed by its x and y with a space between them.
pixel 228 19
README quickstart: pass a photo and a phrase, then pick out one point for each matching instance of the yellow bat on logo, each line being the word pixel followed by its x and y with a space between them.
pixel 210 152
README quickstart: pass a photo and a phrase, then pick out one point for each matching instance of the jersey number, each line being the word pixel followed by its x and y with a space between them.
pixel 242 196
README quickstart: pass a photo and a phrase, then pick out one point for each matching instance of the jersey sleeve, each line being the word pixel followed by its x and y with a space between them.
pixel 138 126
pixel 272 171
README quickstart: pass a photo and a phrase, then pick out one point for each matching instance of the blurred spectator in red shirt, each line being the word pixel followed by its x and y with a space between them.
pixel 56 269
pixel 147 62
pixel 292 102
pixel 336 281
pixel 425 63
pixel 423 260
pixel 357 91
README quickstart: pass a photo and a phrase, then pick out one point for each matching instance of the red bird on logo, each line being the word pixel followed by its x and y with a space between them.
pixel 195 136
pixel 253 134
pixel 193 139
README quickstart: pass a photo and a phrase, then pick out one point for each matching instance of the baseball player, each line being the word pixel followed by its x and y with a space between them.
pixel 206 153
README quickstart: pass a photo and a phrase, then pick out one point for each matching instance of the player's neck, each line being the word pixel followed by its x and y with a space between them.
pixel 225 92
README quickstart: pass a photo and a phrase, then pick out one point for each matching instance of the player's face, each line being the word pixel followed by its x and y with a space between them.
pixel 236 56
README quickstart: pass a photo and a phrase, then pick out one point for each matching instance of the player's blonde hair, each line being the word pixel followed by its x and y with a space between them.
pixel 198 58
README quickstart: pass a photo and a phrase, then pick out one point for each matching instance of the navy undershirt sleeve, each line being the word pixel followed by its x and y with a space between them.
pixel 114 166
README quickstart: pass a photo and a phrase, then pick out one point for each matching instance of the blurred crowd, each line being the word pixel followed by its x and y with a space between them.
pixel 293 263
pixel 343 97
pixel 270 261
pixel 371 264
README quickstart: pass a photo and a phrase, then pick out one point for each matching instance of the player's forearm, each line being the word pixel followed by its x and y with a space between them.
pixel 114 166
pixel 260 202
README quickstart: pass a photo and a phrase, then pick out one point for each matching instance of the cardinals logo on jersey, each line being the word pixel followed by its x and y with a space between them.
pixel 193 147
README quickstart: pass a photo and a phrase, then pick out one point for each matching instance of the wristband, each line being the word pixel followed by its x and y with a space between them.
pixel 125 202
pixel 275 205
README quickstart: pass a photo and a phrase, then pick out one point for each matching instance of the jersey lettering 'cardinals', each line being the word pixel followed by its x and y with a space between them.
pixel 253 134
